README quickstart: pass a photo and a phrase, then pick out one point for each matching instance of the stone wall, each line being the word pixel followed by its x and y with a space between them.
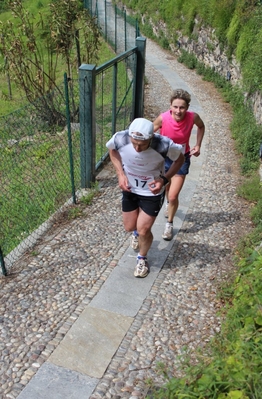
pixel 208 50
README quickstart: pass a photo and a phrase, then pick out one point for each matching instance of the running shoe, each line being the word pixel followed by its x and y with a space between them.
pixel 142 268
pixel 134 242
pixel 168 232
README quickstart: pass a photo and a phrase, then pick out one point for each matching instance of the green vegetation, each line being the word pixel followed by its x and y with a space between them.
pixel 237 24
pixel 76 211
pixel 233 368
pixel 34 163
pixel 39 42
pixel 35 181
pixel 230 367
pixel 35 174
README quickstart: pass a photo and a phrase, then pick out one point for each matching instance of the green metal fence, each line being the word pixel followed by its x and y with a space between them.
pixel 119 29
pixel 49 153
pixel 111 96
pixel 35 175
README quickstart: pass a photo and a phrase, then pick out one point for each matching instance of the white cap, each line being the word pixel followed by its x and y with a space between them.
pixel 141 129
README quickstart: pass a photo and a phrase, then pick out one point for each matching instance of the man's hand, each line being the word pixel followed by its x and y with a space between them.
pixel 156 185
pixel 123 183
pixel 117 162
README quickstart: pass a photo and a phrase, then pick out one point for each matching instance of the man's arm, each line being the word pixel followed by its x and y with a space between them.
pixel 174 168
pixel 117 162
pixel 157 185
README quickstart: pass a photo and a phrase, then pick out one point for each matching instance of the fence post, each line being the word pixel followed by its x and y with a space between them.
pixel 105 19
pixel 114 90
pixel 140 77
pixel 69 137
pixel 137 29
pixel 115 29
pixel 87 82
pixel 2 263
pixel 125 29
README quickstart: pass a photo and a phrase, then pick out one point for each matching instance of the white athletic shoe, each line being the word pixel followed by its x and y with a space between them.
pixel 142 268
pixel 168 232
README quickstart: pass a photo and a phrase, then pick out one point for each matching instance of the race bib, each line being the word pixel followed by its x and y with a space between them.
pixel 139 182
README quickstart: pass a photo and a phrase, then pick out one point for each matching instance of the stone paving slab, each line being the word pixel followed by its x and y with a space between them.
pixel 53 382
pixel 122 292
pixel 173 79
pixel 91 342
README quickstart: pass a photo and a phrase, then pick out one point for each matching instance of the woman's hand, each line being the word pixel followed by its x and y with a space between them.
pixel 195 151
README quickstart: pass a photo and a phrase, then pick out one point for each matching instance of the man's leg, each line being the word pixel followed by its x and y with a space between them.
pixel 130 211
pixel 142 221
pixel 145 237
pixel 130 219
pixel 144 225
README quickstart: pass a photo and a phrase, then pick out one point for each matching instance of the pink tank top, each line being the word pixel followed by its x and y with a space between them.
pixel 180 131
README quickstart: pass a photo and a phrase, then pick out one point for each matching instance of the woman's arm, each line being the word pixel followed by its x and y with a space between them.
pixel 200 134
pixel 157 123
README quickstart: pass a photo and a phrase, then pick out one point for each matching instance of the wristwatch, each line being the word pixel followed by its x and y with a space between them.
pixel 166 181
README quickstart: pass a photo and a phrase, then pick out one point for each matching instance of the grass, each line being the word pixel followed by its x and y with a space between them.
pixel 35 180
pixel 76 211
pixel 233 367
pixel 18 99
pixel 34 166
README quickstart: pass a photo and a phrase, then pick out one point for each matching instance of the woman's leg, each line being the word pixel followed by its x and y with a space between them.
pixel 176 185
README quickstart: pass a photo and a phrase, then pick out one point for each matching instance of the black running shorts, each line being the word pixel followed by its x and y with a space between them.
pixel 151 205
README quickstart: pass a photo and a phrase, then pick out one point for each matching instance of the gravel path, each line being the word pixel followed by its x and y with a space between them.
pixel 47 291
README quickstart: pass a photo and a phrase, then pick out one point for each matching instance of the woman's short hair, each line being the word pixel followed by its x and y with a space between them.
pixel 181 94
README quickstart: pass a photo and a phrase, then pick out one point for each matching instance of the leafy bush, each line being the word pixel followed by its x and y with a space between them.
pixel 188 59
pixel 248 136
pixel 251 189
pixel 234 367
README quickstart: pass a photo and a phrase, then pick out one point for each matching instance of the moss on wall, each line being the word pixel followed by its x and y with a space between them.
pixel 237 25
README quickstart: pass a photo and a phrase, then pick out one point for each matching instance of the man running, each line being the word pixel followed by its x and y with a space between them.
pixel 138 156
